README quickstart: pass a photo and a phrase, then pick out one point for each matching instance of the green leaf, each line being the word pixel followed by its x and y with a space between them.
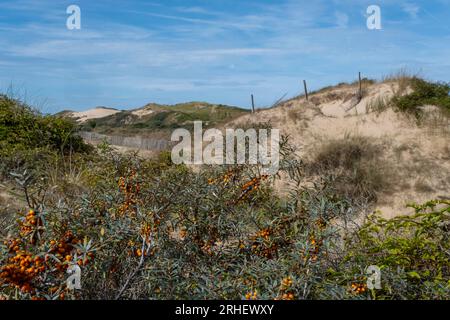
pixel 414 275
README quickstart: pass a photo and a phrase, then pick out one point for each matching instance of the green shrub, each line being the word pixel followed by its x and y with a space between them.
pixel 26 135
pixel 424 93
pixel 410 250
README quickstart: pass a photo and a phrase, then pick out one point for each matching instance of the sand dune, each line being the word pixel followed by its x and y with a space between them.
pixel 95 113
pixel 420 154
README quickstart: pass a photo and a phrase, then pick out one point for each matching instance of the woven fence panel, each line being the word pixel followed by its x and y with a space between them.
pixel 136 142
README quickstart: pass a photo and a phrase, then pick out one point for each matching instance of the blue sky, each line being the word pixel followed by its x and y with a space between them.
pixel 129 53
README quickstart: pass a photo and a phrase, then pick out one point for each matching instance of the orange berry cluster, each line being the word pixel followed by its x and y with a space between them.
pixel 264 248
pixel 265 233
pixel 146 232
pixel 31 226
pixel 251 186
pixel 130 188
pixel 140 253
pixel 21 268
pixel 287 296
pixel 63 249
pixel 286 283
pixel 26 270
pixel 249 282
pixel 230 175
pixel 358 288
pixel 313 252
pixel 321 224
pixel 286 293
pixel 148 229
pixel 207 248
pixel 252 295
pixel 226 178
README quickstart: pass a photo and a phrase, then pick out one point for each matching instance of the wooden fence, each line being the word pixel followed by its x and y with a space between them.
pixel 137 142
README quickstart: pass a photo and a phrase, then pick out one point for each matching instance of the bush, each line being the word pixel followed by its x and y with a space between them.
pixel 411 251
pixel 424 93
pixel 149 229
pixel 26 135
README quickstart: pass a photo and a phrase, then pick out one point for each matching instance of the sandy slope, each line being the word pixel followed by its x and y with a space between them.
pixel 142 112
pixel 95 113
pixel 420 156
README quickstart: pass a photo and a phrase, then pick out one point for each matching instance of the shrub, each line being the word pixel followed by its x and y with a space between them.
pixel 412 252
pixel 424 93
pixel 26 135
pixel 150 229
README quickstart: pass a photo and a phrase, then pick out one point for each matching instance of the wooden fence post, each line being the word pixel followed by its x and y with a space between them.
pixel 253 104
pixel 306 90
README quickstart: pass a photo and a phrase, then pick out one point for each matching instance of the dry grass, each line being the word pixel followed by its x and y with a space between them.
pixel 403 78
pixel 378 104
pixel 436 121
pixel 294 115
pixel 360 173
pixel 422 186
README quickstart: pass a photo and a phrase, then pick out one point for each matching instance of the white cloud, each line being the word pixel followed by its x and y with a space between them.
pixel 411 9
pixel 341 19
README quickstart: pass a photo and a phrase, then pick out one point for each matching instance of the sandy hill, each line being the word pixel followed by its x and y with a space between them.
pixel 95 113
pixel 154 120
pixel 374 153
pixel 403 160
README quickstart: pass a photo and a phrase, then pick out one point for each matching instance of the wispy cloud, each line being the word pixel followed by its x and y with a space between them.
pixel 130 52
pixel 412 9
pixel 341 19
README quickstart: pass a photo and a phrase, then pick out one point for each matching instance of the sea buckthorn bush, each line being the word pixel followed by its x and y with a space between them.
pixel 149 229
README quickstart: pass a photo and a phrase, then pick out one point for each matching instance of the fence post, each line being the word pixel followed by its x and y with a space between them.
pixel 306 90
pixel 253 104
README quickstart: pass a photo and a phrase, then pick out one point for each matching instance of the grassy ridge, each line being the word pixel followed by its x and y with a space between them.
pixel 164 118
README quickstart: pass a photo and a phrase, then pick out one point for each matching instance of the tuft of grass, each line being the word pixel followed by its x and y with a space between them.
pixel 403 78
pixel 293 115
pixel 357 167
pixel 378 105
pixel 422 186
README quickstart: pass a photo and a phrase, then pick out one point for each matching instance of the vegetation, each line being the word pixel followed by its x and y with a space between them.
pixel 355 166
pixel 424 93
pixel 149 229
pixel 26 135
pixel 163 118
